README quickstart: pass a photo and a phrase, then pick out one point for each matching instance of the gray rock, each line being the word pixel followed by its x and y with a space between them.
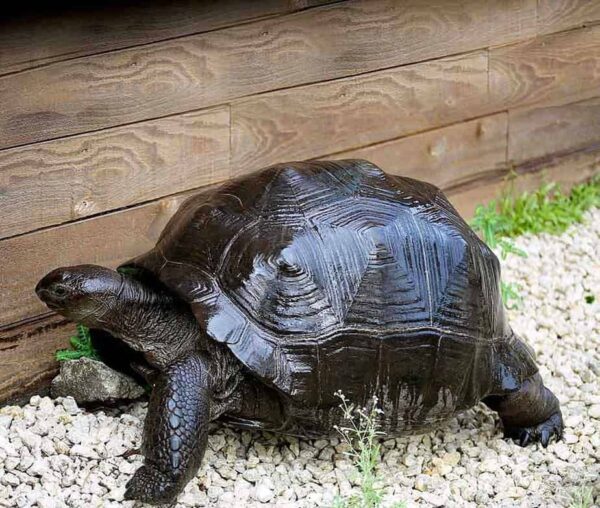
pixel 89 380
pixel 433 499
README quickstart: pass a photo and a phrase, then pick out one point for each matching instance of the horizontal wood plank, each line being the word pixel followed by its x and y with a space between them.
pixel 323 118
pixel 566 171
pixel 446 157
pixel 554 69
pixel 203 70
pixel 59 32
pixel 450 157
pixel 27 361
pixel 556 15
pixel 67 179
pixel 469 160
pixel 338 115
pixel 106 240
pixel 553 131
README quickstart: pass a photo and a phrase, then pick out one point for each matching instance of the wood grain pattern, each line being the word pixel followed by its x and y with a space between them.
pixel 469 161
pixel 555 15
pixel 338 115
pixel 71 178
pixel 27 362
pixel 106 240
pixel 553 69
pixel 446 157
pixel 112 238
pixel 450 157
pixel 203 70
pixel 60 32
pixel 553 131
pixel 566 171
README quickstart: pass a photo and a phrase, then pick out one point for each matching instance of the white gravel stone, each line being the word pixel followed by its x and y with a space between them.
pixel 263 493
pixel 53 454
pixel 594 411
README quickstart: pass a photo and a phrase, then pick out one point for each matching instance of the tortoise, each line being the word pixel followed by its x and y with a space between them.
pixel 266 295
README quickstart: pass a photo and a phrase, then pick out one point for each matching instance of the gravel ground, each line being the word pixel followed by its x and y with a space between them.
pixel 53 453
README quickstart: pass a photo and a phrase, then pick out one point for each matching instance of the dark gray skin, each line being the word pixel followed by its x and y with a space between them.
pixel 195 380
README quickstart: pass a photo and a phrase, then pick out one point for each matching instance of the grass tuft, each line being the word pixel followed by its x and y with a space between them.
pixel 81 344
pixel 582 497
pixel 362 435
pixel 546 210
pixel 511 297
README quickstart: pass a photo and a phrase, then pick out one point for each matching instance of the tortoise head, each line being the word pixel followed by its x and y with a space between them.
pixel 84 293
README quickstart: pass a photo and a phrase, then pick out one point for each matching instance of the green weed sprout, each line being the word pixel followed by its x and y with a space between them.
pixel 582 497
pixel 511 297
pixel 492 225
pixel 546 210
pixel 362 436
pixel 81 344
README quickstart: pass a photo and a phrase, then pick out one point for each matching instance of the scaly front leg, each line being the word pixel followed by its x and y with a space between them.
pixel 175 432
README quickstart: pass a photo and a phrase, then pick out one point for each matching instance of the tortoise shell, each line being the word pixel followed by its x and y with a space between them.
pixel 334 274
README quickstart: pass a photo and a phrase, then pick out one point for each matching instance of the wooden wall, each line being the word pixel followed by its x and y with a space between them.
pixel 110 115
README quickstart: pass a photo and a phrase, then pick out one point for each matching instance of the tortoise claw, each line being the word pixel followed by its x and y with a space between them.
pixel 130 452
pixel 545 435
pixel 525 438
pixel 542 432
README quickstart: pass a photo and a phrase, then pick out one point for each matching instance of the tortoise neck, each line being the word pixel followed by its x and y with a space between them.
pixel 153 322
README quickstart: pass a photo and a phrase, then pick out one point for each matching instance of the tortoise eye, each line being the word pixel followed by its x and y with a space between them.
pixel 59 290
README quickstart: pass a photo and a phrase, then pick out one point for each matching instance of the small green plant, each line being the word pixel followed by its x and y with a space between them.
pixel 362 435
pixel 81 344
pixel 511 297
pixel 582 497
pixel 547 210
pixel 128 270
pixel 491 224
pixel 590 299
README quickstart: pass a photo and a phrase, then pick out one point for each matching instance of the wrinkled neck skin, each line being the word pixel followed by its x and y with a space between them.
pixel 150 321
pixel 165 330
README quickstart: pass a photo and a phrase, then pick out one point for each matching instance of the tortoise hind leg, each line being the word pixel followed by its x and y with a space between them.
pixel 529 413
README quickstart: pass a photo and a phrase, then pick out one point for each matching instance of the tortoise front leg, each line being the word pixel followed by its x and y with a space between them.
pixel 175 432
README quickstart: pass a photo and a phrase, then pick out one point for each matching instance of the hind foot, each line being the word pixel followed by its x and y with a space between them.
pixel 529 413
pixel 542 432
